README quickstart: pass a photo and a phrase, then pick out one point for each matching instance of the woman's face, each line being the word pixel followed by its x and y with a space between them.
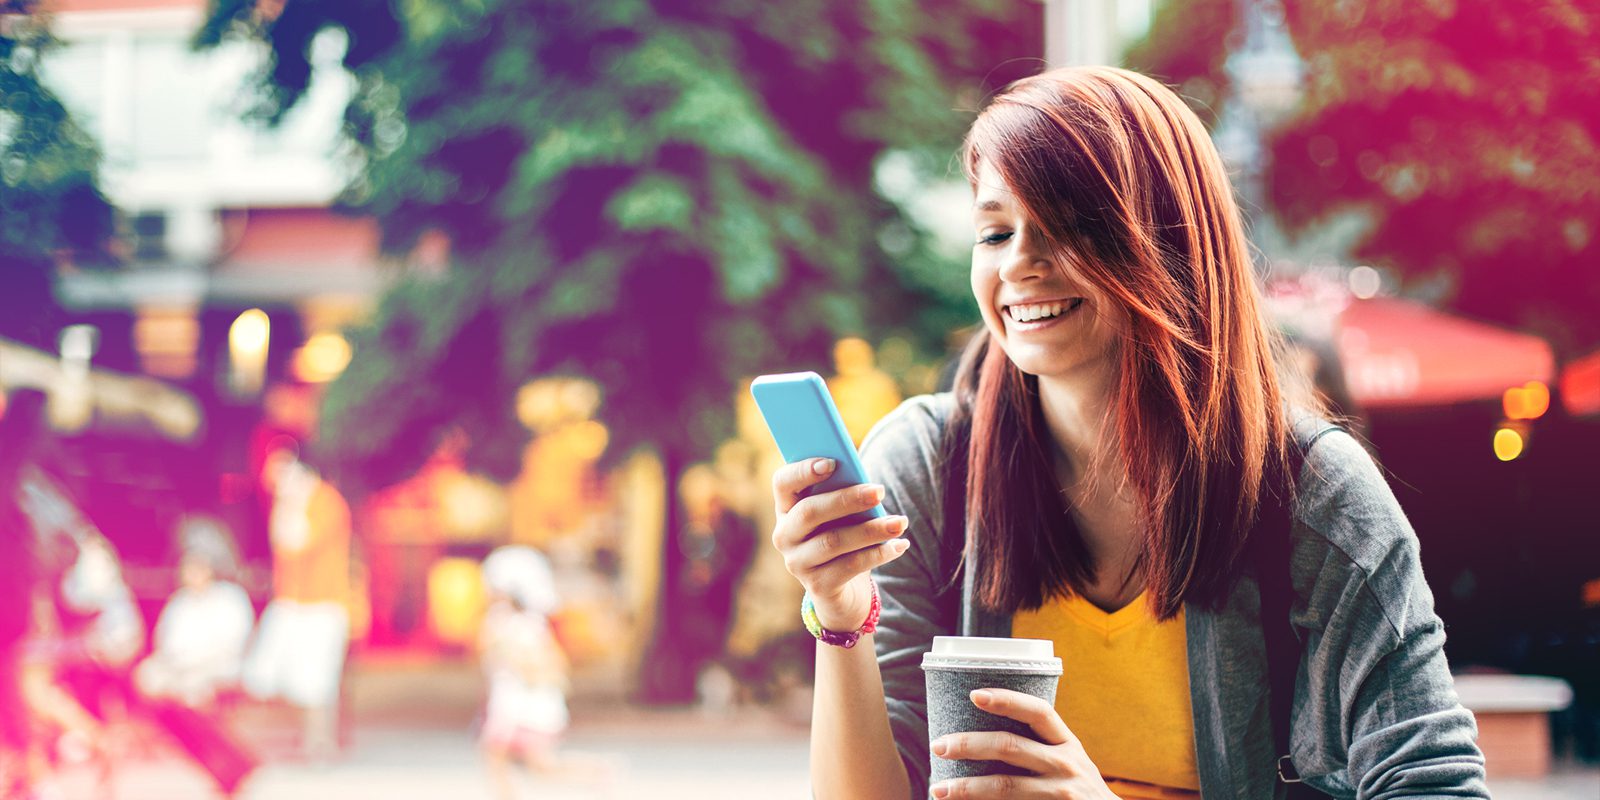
pixel 1050 321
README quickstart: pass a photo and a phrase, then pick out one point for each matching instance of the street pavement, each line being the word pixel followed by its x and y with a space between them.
pixel 412 737
pixel 656 754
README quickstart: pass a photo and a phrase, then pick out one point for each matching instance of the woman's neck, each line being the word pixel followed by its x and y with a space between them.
pixel 1093 478
pixel 1075 410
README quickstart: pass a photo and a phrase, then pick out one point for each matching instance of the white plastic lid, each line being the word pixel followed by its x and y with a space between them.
pixel 983 652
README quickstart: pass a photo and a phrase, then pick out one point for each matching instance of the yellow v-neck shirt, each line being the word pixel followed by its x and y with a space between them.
pixel 1124 691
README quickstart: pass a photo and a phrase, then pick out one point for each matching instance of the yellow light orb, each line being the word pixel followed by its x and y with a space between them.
pixel 1507 444
pixel 580 398
pixel 323 358
pixel 1515 403
pixel 250 332
pixel 589 439
pixel 538 405
pixel 852 355
pixel 1536 399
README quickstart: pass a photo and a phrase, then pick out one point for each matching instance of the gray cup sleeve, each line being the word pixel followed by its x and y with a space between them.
pixel 950 710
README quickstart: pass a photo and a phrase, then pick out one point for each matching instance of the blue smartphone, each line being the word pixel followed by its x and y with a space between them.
pixel 806 424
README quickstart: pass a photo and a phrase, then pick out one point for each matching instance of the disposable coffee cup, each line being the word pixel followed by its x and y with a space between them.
pixel 957 665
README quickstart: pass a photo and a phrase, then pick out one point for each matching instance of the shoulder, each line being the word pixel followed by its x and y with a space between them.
pixel 1343 497
pixel 916 425
pixel 1352 531
pixel 904 448
pixel 905 453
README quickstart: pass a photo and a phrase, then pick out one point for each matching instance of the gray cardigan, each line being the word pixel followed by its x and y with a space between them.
pixel 1375 710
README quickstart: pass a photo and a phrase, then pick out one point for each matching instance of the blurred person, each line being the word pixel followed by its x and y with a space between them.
pixel 90 632
pixel 84 632
pixel 299 652
pixel 201 635
pixel 85 637
pixel 93 589
pixel 527 671
pixel 198 648
pixel 524 664
pixel 1120 471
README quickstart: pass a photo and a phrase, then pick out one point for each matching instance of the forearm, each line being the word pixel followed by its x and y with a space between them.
pixel 853 755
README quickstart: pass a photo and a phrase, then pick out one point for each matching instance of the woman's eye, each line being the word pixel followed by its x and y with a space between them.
pixel 994 238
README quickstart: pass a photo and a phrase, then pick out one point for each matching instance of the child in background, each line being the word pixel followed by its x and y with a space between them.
pixel 201 634
pixel 524 664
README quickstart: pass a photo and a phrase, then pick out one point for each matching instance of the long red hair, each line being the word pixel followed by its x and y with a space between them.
pixel 1111 166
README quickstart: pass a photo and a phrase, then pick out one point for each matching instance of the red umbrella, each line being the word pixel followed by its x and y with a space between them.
pixel 1398 353
pixel 1580 385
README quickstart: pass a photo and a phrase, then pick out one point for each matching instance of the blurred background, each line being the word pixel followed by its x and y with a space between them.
pixel 320 304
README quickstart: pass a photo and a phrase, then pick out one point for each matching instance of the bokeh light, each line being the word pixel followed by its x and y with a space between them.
pixel 1365 282
pixel 322 358
pixel 1508 444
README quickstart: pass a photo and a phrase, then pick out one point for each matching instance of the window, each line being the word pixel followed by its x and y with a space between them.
pixel 148 234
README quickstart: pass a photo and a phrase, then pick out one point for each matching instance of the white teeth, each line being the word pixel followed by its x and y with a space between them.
pixel 1036 311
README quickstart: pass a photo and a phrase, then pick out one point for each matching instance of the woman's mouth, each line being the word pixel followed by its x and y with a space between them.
pixel 1032 316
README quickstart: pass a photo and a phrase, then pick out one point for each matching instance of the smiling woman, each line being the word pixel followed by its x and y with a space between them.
pixel 1110 474
pixel 1101 188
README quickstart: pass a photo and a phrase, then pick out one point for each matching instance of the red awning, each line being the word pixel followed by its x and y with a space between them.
pixel 1398 353
pixel 297 239
pixel 1580 385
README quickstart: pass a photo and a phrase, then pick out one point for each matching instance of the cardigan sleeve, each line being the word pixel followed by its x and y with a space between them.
pixel 919 600
pixel 1376 712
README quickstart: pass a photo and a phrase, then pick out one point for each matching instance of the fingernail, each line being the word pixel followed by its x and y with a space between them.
pixel 822 466
pixel 941 790
pixel 898 545
pixel 981 697
pixel 940 746
pixel 872 492
pixel 899 524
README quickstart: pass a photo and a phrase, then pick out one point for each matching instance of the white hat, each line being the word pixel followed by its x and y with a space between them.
pixel 524 574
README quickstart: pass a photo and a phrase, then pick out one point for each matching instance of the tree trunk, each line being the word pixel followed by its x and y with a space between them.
pixel 667 676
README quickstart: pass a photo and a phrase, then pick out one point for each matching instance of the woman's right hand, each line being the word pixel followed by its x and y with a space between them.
pixel 832 564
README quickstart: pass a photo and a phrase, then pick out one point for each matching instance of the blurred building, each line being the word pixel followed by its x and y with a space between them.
pixel 238 274
pixel 218 215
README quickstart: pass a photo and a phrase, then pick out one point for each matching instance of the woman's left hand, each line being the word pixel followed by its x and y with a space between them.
pixel 1061 767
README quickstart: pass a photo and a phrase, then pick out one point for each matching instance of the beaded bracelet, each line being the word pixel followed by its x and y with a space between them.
pixel 808 615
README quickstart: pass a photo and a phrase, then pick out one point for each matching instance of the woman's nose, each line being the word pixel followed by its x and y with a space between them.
pixel 1024 262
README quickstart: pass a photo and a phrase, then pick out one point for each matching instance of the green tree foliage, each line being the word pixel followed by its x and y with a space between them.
pixel 1471 131
pixel 50 208
pixel 665 197
pixel 1187 44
